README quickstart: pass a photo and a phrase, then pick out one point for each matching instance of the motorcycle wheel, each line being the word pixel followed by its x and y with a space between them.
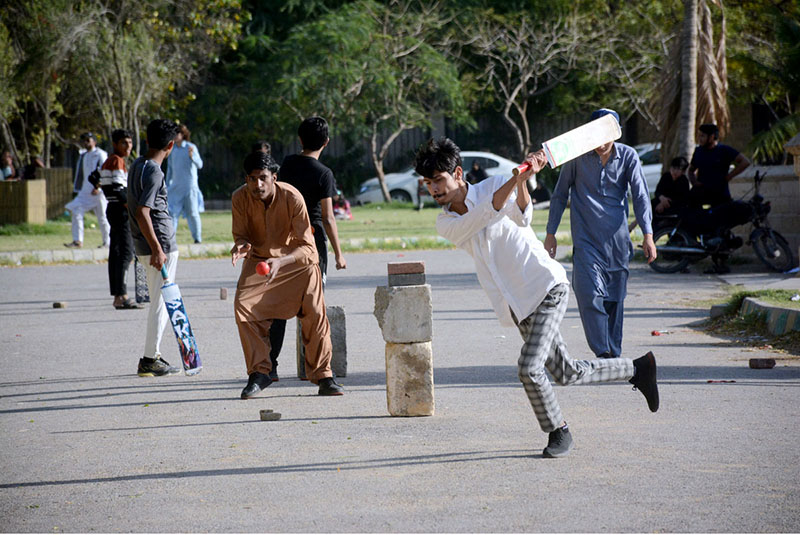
pixel 671 262
pixel 772 249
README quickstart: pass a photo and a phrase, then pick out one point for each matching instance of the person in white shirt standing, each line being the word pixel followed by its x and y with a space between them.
pixel 89 197
pixel 491 221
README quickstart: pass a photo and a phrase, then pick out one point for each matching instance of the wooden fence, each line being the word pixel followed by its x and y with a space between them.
pixel 35 201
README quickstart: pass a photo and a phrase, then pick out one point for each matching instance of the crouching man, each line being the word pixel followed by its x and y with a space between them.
pixel 270 224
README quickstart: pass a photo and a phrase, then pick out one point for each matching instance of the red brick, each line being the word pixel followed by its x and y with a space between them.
pixel 405 268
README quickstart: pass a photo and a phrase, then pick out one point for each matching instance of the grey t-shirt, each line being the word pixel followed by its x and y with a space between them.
pixel 146 187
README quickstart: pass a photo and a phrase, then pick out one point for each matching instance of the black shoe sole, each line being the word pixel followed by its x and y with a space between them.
pixel 650 392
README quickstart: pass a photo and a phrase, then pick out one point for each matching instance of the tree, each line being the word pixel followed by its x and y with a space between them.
pixel 695 81
pixel 43 35
pixel 106 64
pixel 372 70
pixel 517 60
pixel 143 58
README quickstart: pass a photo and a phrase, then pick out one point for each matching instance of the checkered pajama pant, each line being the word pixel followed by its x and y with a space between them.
pixel 544 348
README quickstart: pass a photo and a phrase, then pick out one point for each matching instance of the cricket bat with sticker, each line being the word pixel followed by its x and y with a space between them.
pixel 578 141
pixel 180 325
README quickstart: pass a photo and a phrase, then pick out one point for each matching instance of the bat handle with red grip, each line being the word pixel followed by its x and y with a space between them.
pixel 518 170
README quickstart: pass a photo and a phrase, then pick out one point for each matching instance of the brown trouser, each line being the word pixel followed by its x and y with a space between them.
pixel 316 332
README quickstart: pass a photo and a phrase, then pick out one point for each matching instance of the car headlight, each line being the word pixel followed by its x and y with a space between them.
pixel 369 187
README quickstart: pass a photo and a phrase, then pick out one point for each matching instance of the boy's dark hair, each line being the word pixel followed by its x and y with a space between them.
pixel 680 163
pixel 261 146
pixel 437 155
pixel 709 129
pixel 160 132
pixel 259 160
pixel 313 133
pixel 119 135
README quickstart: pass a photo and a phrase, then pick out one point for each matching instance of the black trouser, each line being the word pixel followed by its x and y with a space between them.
pixel 277 330
pixel 120 250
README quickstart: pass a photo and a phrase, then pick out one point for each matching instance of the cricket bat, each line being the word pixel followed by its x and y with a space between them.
pixel 180 324
pixel 578 141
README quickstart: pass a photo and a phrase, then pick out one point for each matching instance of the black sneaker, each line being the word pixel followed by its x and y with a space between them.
pixel 155 367
pixel 644 379
pixel 558 444
pixel 329 387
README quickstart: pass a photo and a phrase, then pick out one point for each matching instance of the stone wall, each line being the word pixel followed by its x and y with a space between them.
pixel 781 187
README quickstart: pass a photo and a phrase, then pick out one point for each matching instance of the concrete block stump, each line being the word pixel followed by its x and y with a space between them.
pixel 409 379
pixel 404 311
pixel 338 326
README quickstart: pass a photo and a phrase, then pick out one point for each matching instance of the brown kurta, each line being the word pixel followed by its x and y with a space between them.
pixel 276 230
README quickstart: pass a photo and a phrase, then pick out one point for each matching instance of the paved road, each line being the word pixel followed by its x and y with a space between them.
pixel 86 445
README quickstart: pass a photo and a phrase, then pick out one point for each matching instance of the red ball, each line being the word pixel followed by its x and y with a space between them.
pixel 262 268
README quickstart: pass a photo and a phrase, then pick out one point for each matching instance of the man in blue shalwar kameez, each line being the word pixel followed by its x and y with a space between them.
pixel 597 184
pixel 183 189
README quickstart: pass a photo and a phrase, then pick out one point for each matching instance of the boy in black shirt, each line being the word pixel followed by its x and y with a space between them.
pixel 316 184
pixel 672 191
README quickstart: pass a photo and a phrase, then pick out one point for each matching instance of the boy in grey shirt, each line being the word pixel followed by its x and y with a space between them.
pixel 153 236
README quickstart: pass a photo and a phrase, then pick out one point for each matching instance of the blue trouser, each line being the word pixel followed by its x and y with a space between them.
pixel 187 205
pixel 600 294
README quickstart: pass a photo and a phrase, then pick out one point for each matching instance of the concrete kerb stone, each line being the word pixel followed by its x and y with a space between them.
pixel 404 313
pixel 779 320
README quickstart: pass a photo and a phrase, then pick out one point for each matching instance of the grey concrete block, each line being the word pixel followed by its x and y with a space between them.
pixel 338 326
pixel 717 311
pixel 404 313
pixel 407 279
pixel 336 318
pixel 409 379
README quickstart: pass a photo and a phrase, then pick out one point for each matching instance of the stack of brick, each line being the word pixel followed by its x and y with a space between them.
pixel 404 311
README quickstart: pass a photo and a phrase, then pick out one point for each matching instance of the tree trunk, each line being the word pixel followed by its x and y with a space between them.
pixel 518 136
pixel 377 162
pixel 8 141
pixel 686 128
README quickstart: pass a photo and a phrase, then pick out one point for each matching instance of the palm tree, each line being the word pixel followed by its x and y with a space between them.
pixel 695 82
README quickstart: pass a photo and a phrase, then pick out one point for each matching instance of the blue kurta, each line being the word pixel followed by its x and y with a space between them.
pixel 182 187
pixel 601 242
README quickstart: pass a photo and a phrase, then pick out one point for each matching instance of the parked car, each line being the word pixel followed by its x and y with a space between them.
pixel 650 156
pixel 403 185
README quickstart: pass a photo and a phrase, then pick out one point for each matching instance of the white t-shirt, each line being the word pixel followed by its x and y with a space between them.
pixel 512 265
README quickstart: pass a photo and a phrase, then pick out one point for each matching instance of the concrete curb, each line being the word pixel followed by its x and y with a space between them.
pixel 779 320
pixel 201 250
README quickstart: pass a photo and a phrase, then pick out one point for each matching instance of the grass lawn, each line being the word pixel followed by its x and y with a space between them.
pixel 373 221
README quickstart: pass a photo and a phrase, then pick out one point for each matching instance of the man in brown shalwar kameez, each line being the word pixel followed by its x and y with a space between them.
pixel 270 224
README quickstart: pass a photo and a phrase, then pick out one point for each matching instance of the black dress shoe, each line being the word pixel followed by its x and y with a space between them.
pixel 328 387
pixel 256 382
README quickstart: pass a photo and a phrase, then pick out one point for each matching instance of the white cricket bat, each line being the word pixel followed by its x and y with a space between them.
pixel 581 140
pixel 578 141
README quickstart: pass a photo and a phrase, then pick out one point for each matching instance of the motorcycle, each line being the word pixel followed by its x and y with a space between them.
pixel 696 234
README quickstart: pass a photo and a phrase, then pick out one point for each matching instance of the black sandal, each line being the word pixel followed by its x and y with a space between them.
pixel 127 305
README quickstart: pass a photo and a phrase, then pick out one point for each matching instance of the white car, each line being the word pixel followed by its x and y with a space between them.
pixel 650 157
pixel 403 186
